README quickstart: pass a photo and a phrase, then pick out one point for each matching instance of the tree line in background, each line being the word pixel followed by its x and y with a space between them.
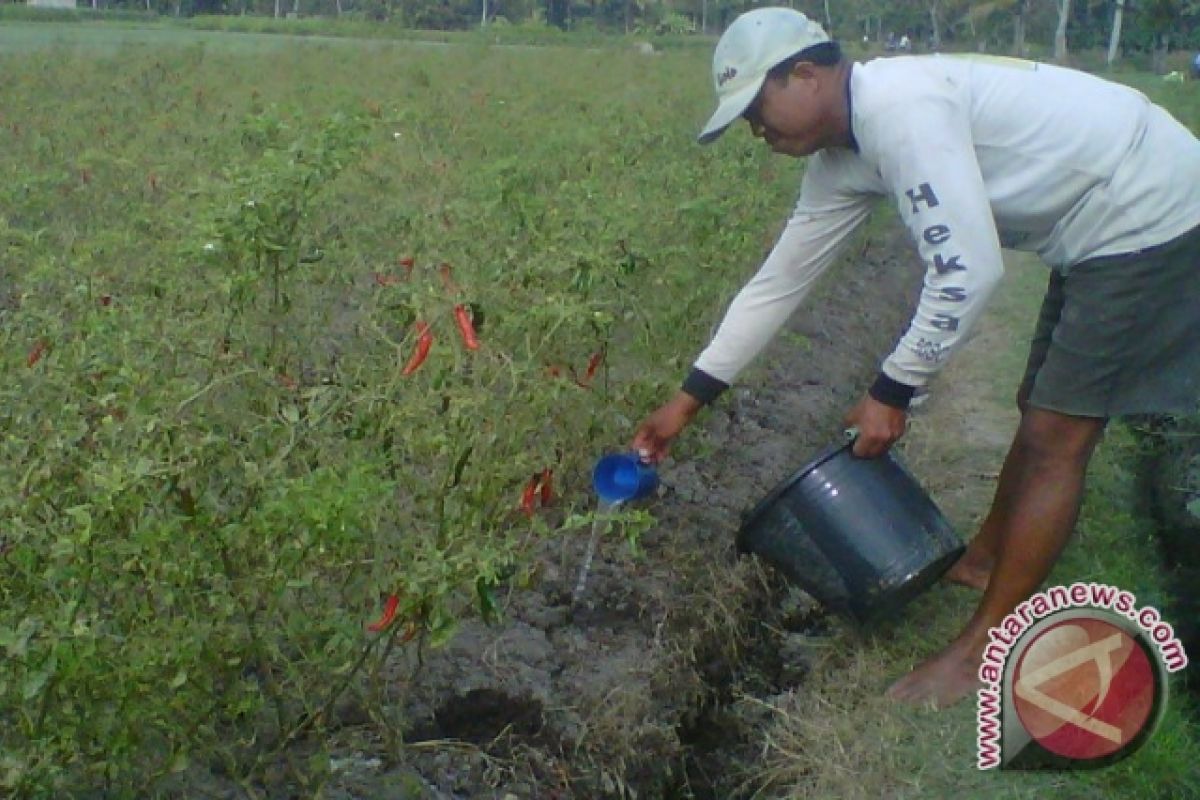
pixel 1017 27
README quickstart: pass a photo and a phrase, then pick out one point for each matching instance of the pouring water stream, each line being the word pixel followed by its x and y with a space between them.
pixel 602 509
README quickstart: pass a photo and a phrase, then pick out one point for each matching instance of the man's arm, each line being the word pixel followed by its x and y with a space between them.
pixel 927 158
pixel 809 243
pixel 820 224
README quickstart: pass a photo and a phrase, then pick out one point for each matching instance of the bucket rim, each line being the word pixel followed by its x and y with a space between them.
pixel 826 455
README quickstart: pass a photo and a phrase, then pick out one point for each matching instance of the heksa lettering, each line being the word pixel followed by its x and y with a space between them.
pixel 938 235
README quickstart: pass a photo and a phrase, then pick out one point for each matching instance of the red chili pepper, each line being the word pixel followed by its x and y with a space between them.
pixel 466 326
pixel 592 366
pixel 529 495
pixel 539 486
pixel 424 342
pixel 389 614
pixel 36 352
pixel 407 264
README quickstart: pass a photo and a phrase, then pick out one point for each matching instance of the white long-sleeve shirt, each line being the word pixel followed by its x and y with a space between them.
pixel 978 153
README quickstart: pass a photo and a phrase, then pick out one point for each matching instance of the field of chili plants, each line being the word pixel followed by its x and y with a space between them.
pixel 304 351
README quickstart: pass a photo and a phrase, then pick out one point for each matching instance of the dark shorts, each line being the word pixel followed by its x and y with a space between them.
pixel 1120 335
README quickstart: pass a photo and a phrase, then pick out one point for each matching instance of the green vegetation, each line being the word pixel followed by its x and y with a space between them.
pixel 216 463
pixel 217 466
pixel 1145 33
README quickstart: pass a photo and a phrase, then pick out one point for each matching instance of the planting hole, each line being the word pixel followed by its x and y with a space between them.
pixel 481 715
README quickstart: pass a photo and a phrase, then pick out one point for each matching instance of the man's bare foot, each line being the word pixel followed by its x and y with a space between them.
pixel 943 680
pixel 971 570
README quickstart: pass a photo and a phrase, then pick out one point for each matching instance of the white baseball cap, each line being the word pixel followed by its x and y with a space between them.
pixel 755 42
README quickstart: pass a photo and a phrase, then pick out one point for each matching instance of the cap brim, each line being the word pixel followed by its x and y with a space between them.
pixel 729 110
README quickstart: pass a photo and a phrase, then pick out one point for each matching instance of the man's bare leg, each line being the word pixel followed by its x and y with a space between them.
pixel 974 566
pixel 1038 508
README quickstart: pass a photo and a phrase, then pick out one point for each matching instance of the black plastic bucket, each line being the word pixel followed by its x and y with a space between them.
pixel 859 535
